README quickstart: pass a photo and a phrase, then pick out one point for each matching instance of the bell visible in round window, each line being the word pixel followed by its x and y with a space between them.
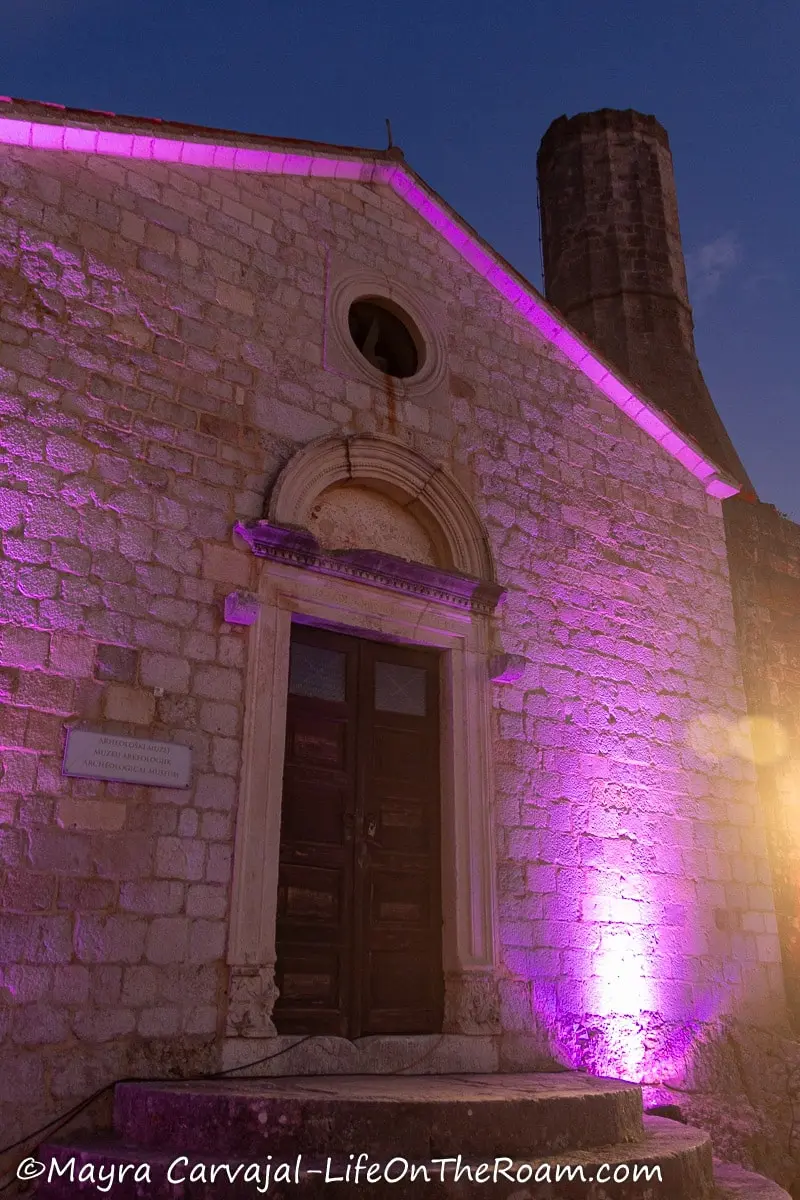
pixel 384 338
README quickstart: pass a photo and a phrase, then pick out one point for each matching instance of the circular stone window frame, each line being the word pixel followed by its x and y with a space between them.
pixel 342 353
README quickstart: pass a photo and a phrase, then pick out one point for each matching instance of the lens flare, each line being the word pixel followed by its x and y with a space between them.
pixel 760 739
pixel 757 739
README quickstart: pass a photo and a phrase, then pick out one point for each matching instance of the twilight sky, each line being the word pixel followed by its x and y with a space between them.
pixel 470 88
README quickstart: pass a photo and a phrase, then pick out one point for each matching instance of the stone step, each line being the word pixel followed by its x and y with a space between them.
pixel 418 1116
pixel 390 1054
pixel 681 1154
pixel 734 1183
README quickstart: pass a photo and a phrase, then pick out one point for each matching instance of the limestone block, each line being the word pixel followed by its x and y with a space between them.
pixel 132 705
pixel 241 608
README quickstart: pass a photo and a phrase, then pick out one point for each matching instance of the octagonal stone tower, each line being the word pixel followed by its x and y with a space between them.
pixel 613 261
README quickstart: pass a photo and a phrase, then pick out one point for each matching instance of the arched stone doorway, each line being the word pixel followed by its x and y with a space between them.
pixel 368 540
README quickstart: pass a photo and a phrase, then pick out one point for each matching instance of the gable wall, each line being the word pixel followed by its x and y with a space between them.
pixel 137 301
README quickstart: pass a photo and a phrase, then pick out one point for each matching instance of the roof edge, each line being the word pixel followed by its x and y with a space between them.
pixel 40 111
pixel 87 132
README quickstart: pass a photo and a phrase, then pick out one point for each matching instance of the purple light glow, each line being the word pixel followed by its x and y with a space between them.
pixel 633 986
pixel 48 136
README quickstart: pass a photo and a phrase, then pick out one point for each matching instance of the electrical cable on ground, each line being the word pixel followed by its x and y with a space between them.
pixel 52 1127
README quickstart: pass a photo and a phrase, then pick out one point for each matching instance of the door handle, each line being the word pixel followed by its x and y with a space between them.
pixel 372 826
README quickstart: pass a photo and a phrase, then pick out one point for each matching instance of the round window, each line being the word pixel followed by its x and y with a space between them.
pixel 384 337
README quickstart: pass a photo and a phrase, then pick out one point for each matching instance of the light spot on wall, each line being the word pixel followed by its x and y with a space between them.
pixel 762 740
pixel 756 739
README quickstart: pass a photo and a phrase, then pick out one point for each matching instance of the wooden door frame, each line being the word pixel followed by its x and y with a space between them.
pixel 289 593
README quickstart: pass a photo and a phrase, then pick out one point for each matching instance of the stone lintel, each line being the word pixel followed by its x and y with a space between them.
pixel 280 543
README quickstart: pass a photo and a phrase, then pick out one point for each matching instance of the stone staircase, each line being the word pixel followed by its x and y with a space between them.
pixel 169 1136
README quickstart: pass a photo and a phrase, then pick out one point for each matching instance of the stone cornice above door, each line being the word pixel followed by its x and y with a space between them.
pixel 288 544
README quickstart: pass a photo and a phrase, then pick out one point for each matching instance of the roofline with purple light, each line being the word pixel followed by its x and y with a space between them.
pixel 308 159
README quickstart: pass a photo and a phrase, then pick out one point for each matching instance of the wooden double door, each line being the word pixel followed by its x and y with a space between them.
pixel 359 917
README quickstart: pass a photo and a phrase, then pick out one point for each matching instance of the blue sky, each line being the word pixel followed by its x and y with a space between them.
pixel 470 88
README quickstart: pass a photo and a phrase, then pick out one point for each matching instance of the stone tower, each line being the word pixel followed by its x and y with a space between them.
pixel 613 262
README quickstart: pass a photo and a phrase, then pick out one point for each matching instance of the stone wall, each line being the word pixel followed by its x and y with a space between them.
pixel 613 263
pixel 161 357
pixel 764 554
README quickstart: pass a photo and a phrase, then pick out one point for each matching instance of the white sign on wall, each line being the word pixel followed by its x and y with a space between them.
pixel 126 760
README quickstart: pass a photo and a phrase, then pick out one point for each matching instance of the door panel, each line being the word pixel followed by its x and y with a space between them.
pixel 359 914
pixel 394 753
pixel 316 805
pixel 398 908
pixel 313 934
pixel 317 742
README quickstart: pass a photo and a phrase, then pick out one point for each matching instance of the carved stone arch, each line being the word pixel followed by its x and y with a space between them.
pixel 444 604
pixel 427 492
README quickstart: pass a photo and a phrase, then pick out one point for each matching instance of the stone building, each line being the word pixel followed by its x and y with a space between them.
pixel 445 606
